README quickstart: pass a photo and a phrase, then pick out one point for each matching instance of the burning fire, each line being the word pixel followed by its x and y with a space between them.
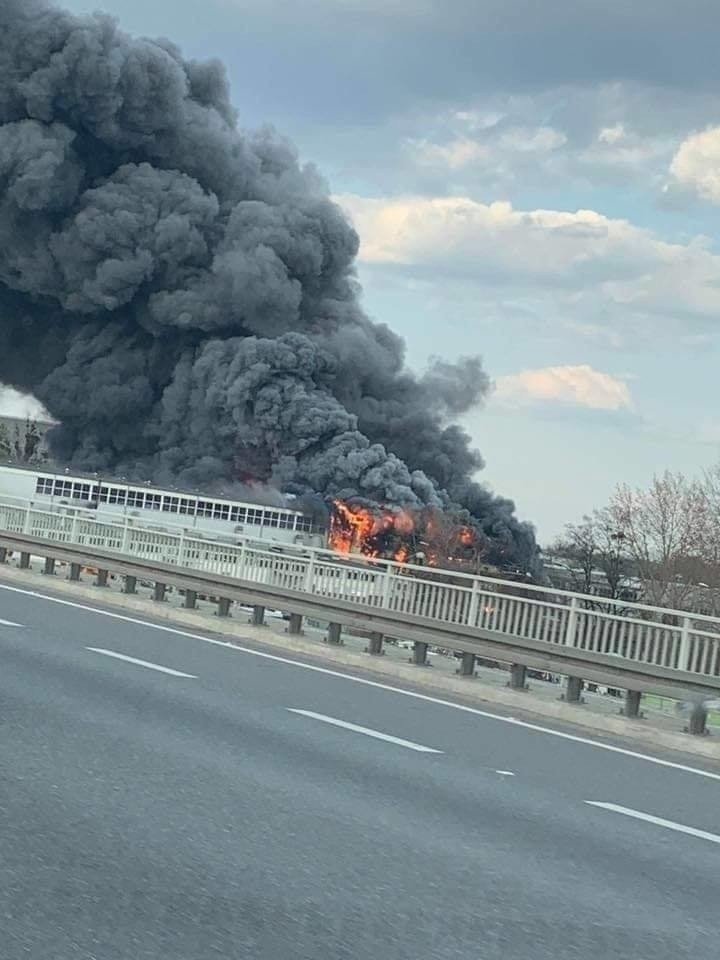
pixel 423 536
pixel 357 529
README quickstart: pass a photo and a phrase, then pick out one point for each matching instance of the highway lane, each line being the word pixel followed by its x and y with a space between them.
pixel 584 771
pixel 145 814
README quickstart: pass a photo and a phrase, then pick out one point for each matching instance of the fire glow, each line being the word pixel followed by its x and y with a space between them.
pixel 358 529
pixel 422 536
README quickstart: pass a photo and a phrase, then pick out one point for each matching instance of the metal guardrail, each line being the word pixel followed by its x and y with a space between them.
pixel 643 648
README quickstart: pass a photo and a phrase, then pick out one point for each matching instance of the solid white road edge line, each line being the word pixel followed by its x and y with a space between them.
pixel 9 623
pixel 439 701
pixel 657 821
pixel 141 663
pixel 398 741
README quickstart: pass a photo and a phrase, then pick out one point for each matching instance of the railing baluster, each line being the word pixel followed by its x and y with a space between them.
pixel 632 632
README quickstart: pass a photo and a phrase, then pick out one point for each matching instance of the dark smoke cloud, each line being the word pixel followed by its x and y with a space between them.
pixel 181 295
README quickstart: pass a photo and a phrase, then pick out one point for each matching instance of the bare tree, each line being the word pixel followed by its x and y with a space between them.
pixel 597 551
pixel 707 595
pixel 614 559
pixel 664 531
pixel 578 546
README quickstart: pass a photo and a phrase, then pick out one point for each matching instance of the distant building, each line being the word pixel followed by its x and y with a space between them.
pixel 564 574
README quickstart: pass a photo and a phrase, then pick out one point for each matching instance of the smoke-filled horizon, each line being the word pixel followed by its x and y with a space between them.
pixel 181 295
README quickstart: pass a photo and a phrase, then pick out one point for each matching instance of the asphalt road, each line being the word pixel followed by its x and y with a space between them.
pixel 147 815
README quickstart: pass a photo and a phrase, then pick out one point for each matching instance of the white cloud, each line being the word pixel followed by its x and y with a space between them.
pixel 696 165
pixel 454 155
pixel 581 267
pixel 577 385
pixel 493 149
pixel 532 139
pixel 612 134
pixel 621 148
pixel 15 404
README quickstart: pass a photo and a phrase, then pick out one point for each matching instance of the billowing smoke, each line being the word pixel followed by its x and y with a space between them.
pixel 181 296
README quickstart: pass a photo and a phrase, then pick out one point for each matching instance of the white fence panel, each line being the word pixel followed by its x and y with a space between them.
pixel 633 632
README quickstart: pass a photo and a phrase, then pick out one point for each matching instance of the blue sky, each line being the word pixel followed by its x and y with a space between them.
pixel 536 183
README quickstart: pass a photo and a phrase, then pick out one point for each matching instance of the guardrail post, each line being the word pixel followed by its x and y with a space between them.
pixel 684 655
pixel 310 575
pixel 159 591
pixel 698 720
pixel 258 616
pixel 571 628
pixel 518 677
pixel 334 634
pixel 27 524
pixel 573 690
pixel 130 585
pixel 124 546
pixel 181 549
pixel 74 574
pixel 49 568
pixel 375 645
pixel 474 605
pixel 101 580
pixel 24 561
pixel 3 554
pixel 223 609
pixel 467 665
pixel 73 530
pixel 190 602
pixel 240 561
pixel 387 588
pixel 294 627
pixel 631 707
pixel 419 654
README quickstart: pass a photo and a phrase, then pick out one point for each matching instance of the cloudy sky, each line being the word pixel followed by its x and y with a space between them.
pixel 538 183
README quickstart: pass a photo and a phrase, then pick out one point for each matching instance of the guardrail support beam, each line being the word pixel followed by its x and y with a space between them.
pixel 375 645
pixel 258 616
pixel 573 690
pixel 697 724
pixel 223 609
pixel 294 626
pixel 49 568
pixel 390 602
pixel 334 634
pixel 190 602
pixel 631 707
pixel 419 654
pixel 467 665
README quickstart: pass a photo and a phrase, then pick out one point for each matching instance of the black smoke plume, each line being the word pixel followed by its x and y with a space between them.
pixel 181 294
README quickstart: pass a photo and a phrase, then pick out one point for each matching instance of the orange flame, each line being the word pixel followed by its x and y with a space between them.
pixel 349 526
pixel 425 536
pixel 357 529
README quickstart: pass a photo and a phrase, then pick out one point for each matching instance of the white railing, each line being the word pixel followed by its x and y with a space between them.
pixel 633 632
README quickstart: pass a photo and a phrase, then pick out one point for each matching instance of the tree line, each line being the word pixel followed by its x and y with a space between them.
pixel 659 544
